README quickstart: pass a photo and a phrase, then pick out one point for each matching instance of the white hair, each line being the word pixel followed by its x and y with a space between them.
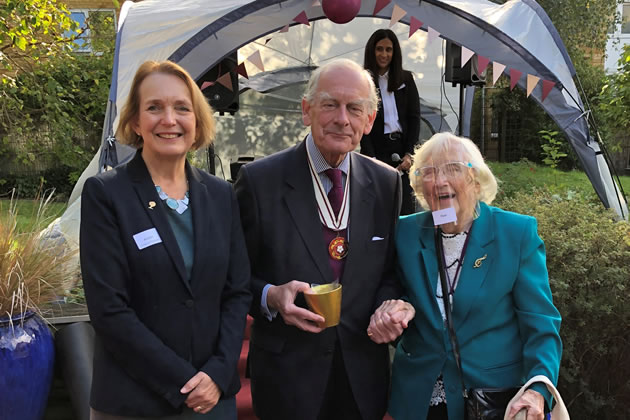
pixel 344 63
pixel 447 144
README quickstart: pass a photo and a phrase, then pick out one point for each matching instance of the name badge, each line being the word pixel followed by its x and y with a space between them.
pixel 443 216
pixel 147 238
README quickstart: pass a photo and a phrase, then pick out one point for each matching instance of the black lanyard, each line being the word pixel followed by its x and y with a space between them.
pixel 447 305
pixel 451 285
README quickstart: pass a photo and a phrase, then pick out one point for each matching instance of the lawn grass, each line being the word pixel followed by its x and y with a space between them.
pixel 27 213
pixel 513 177
pixel 526 176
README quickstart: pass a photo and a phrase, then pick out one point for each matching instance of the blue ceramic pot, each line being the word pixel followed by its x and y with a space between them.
pixel 27 356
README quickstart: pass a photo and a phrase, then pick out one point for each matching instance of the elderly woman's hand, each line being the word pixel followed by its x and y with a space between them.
pixel 204 393
pixel 533 402
pixel 389 320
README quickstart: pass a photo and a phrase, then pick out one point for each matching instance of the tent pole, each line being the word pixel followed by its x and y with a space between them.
pixel 460 117
pixel 482 135
pixel 211 156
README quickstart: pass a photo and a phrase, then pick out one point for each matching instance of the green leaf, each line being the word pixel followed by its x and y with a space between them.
pixel 20 42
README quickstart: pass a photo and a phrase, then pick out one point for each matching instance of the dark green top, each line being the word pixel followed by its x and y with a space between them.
pixel 182 226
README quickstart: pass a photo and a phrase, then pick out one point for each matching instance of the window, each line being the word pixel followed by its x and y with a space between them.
pixel 95 25
pixel 625 18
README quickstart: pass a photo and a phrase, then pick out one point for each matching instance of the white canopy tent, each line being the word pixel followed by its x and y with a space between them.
pixel 198 34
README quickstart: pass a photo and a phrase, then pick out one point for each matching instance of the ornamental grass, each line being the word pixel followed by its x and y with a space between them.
pixel 34 269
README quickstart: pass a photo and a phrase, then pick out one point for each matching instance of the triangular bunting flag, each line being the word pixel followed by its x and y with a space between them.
pixel 482 63
pixel 397 14
pixel 302 18
pixel 433 34
pixel 414 25
pixel 380 4
pixel 256 60
pixel 546 88
pixel 514 76
pixel 315 3
pixel 206 84
pixel 285 28
pixel 466 55
pixel 532 81
pixel 226 80
pixel 242 70
pixel 497 71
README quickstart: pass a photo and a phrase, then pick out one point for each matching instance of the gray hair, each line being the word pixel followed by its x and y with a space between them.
pixel 311 88
pixel 446 144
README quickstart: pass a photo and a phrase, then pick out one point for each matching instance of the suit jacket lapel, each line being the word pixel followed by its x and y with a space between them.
pixel 143 184
pixel 300 200
pixel 199 199
pixel 361 210
pixel 400 97
pixel 477 261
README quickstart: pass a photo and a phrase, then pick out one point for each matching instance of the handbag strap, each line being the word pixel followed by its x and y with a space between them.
pixel 559 411
pixel 439 250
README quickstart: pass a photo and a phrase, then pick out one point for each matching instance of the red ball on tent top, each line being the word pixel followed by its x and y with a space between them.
pixel 341 11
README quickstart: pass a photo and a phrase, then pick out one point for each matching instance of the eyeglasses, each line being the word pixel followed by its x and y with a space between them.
pixel 451 170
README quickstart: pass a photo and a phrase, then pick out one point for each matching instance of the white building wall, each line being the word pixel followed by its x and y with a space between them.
pixel 618 38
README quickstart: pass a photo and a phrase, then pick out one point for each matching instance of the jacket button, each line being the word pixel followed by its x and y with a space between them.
pixel 190 303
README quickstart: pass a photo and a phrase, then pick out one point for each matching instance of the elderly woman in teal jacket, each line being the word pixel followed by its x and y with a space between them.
pixel 502 309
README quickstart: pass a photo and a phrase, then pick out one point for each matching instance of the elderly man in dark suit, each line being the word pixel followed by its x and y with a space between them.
pixel 313 214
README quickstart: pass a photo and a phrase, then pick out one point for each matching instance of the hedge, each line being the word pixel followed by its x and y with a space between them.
pixel 588 258
pixel 28 186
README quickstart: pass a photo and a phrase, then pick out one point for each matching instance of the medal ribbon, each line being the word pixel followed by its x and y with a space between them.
pixel 325 210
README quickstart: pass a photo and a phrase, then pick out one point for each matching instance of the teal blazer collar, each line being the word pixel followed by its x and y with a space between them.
pixel 479 257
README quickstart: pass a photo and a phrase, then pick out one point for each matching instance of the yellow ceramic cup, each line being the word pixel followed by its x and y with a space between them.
pixel 325 300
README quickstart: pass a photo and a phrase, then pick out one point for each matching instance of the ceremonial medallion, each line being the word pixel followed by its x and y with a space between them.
pixel 338 248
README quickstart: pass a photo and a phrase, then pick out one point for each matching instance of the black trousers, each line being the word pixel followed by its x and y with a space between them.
pixel 384 154
pixel 437 412
pixel 339 402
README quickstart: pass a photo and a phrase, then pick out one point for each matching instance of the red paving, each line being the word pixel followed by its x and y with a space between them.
pixel 244 396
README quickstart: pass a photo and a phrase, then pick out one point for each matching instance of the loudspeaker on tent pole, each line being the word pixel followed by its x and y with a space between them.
pixel 456 74
pixel 220 97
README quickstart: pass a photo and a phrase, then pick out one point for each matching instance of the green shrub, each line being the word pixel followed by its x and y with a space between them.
pixel 551 148
pixel 61 178
pixel 51 116
pixel 588 258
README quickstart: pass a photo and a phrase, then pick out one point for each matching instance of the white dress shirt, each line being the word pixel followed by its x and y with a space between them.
pixel 390 112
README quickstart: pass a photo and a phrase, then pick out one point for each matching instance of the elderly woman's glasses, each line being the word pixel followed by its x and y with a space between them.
pixel 451 170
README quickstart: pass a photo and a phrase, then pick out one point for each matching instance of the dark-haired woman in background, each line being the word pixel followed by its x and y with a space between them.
pixel 397 125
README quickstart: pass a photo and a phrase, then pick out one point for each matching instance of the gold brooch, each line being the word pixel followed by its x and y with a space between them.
pixel 478 261
pixel 151 205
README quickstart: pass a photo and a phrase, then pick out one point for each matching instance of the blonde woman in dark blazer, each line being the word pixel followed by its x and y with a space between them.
pixel 164 263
